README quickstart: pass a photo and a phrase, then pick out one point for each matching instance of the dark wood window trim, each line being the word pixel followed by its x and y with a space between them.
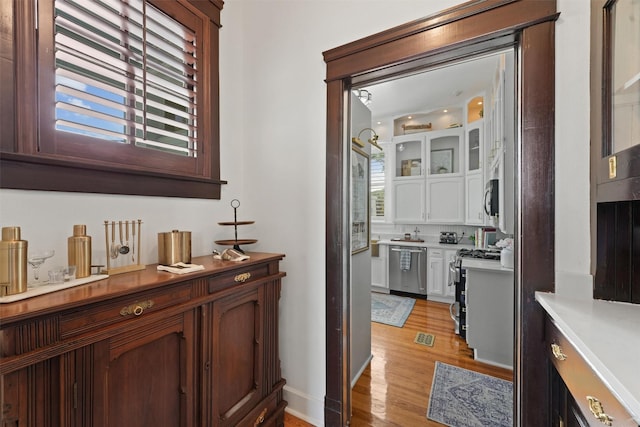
pixel 23 166
pixel 471 28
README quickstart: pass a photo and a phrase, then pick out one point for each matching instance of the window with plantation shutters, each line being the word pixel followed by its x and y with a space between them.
pixel 377 184
pixel 114 96
pixel 126 72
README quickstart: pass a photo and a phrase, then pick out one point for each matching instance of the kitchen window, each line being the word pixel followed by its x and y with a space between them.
pixel 377 184
pixel 127 89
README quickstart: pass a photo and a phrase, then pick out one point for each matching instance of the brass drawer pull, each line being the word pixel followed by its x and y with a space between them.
pixel 242 277
pixel 137 308
pixel 595 406
pixel 260 418
pixel 557 352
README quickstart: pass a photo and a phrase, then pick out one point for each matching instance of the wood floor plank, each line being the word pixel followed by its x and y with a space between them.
pixel 394 389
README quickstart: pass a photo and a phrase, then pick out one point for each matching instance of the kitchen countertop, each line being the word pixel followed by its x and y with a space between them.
pixel 606 335
pixel 484 264
pixel 425 244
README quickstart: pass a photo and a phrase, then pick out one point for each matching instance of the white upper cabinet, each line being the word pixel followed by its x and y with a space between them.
pixel 444 152
pixel 445 200
pixel 408 156
pixel 474 144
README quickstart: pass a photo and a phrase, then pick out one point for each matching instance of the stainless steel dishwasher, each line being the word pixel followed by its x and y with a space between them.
pixel 408 269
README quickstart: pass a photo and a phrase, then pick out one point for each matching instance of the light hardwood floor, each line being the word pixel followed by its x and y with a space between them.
pixel 394 389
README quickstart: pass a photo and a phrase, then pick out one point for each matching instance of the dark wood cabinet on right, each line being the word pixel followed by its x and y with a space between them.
pixel 615 150
pixel 578 396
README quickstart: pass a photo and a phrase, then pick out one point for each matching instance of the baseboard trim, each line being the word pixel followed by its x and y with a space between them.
pixel 304 406
pixel 362 368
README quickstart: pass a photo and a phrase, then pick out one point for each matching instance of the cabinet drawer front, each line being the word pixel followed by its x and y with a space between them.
pixel 238 276
pixel 268 412
pixel 122 309
pixel 592 396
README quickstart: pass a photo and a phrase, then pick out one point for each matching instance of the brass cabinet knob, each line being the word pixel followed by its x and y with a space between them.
pixel 243 277
pixel 596 408
pixel 557 352
pixel 137 308
pixel 260 418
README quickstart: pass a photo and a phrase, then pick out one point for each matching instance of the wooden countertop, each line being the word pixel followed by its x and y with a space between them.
pixel 606 334
pixel 121 284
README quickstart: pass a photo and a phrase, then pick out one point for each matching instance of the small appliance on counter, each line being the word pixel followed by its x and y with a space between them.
pixel 449 237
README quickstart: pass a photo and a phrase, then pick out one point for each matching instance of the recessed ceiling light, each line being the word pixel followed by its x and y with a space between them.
pixel 379 123
pixel 445 111
pixel 409 117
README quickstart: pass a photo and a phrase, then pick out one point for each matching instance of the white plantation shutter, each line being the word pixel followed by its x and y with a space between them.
pixel 126 72
pixel 377 183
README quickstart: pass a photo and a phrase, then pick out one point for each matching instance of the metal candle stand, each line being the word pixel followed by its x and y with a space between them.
pixel 235 203
pixel 115 251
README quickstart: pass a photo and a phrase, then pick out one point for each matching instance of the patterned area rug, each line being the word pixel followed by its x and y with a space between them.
pixel 463 398
pixel 390 309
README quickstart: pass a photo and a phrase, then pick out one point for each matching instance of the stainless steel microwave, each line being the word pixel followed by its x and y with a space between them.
pixel 491 202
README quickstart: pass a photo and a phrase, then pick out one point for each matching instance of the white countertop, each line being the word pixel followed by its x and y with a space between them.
pixel 484 264
pixel 425 244
pixel 607 335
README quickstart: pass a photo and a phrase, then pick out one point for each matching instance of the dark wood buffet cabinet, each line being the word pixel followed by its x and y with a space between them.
pixel 148 348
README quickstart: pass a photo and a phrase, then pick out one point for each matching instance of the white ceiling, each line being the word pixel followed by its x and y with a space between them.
pixel 444 87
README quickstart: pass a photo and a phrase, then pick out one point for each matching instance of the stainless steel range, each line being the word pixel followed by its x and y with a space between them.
pixel 457 278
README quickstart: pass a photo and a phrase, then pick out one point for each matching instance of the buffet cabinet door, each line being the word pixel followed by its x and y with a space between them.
pixel 143 377
pixel 237 354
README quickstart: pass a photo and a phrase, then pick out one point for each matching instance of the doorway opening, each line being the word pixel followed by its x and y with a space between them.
pixel 467 30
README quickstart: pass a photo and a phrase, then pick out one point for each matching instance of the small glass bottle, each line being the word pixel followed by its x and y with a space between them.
pixel 79 249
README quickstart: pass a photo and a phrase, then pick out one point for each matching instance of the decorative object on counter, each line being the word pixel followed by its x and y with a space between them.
pixel 79 251
pixel 463 398
pixel 13 262
pixel 36 259
pixel 117 251
pixel 174 247
pixel 180 268
pixel 235 204
pixel 506 254
pixel 231 255
pixel 59 275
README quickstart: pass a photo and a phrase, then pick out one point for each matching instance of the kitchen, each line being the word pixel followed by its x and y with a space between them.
pixel 430 224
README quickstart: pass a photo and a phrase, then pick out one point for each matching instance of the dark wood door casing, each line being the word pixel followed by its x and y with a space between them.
pixel 468 29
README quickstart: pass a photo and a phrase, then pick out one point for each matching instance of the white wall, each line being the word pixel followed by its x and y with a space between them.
pixel 273 104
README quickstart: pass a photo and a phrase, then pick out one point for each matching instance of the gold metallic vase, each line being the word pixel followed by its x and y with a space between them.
pixel 13 262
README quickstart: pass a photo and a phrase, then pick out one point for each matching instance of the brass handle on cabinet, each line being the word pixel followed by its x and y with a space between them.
pixel 557 352
pixel 595 406
pixel 137 308
pixel 260 418
pixel 242 277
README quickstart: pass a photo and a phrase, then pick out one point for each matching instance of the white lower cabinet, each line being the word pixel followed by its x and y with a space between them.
pixel 445 200
pixel 437 275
